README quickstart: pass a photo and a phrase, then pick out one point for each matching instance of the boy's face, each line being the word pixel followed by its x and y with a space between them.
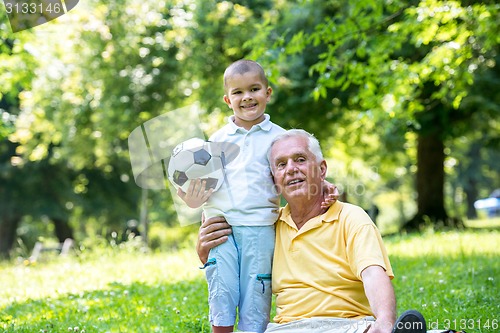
pixel 247 95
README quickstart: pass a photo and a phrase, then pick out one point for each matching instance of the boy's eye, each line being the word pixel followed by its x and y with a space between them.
pixel 256 89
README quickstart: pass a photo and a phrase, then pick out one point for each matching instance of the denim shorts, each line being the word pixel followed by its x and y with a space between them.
pixel 239 276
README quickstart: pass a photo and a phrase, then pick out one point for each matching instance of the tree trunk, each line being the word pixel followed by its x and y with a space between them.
pixel 8 228
pixel 471 194
pixel 471 174
pixel 62 229
pixel 429 182
pixel 430 177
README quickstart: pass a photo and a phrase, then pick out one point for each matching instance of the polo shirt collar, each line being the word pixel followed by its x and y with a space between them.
pixel 264 125
pixel 331 215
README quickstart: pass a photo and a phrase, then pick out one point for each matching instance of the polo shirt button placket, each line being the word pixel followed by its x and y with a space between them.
pixel 245 142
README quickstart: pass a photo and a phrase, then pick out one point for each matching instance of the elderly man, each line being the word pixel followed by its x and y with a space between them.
pixel 331 272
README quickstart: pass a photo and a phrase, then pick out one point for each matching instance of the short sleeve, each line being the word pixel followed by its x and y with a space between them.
pixel 365 248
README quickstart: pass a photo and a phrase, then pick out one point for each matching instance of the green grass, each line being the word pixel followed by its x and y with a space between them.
pixel 114 291
pixel 491 222
pixel 452 277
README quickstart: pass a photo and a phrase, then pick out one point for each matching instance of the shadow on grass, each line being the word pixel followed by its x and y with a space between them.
pixel 138 307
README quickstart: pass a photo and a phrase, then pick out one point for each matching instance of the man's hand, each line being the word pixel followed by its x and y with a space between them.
pixel 380 326
pixel 331 194
pixel 213 231
pixel 196 194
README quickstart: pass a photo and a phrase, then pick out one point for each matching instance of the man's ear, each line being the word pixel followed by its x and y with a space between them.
pixel 323 168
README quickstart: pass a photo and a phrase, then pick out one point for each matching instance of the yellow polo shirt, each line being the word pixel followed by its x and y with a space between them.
pixel 317 269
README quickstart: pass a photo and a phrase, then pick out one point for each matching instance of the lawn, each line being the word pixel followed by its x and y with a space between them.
pixel 452 277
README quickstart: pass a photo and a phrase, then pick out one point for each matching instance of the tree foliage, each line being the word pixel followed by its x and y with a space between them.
pixel 382 84
pixel 101 72
pixel 407 66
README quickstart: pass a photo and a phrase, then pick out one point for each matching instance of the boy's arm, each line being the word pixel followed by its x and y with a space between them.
pixel 196 194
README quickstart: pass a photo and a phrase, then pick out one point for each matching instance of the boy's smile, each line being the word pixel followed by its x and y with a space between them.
pixel 247 96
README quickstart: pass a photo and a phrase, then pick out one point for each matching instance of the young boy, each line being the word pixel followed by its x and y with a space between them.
pixel 239 271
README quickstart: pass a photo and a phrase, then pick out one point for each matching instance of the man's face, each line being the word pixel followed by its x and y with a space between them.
pixel 248 96
pixel 297 174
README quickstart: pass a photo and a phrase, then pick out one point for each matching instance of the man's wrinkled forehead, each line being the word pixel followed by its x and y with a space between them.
pixel 289 147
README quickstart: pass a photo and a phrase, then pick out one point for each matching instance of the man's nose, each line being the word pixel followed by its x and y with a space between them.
pixel 291 167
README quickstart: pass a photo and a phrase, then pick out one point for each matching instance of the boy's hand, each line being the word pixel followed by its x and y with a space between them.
pixel 331 194
pixel 276 202
pixel 196 194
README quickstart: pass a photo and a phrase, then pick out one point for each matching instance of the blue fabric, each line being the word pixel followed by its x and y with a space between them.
pixel 239 276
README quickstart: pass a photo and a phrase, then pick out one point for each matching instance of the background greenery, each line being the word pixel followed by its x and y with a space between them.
pixel 451 277
pixel 403 96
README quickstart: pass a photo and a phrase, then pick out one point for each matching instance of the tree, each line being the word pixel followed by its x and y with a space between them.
pixel 112 67
pixel 477 165
pixel 16 66
pixel 408 66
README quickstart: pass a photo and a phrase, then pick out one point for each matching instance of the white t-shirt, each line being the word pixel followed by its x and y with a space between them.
pixel 245 198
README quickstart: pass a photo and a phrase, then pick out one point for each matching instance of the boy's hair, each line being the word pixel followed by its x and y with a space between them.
pixel 243 66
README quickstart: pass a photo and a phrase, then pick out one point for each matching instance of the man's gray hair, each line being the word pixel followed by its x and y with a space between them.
pixel 312 142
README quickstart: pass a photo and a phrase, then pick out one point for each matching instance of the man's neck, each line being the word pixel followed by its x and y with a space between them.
pixel 306 210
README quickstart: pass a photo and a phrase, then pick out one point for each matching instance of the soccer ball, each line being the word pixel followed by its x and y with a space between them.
pixel 196 158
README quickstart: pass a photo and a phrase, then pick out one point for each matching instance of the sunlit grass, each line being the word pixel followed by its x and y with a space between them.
pixel 452 277
pixel 72 276
pixel 115 291
pixel 491 222
pixel 447 243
